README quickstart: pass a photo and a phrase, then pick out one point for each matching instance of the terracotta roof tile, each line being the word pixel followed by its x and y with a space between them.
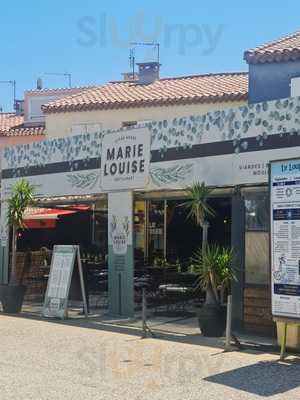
pixel 13 125
pixel 27 131
pixel 209 88
pixel 286 48
pixel 9 120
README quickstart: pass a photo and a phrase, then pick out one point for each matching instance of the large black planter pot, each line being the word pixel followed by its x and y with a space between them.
pixel 212 320
pixel 12 297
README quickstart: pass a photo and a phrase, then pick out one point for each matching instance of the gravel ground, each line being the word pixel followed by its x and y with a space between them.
pixel 45 360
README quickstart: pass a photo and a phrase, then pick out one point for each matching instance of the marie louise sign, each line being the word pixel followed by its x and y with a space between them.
pixel 125 160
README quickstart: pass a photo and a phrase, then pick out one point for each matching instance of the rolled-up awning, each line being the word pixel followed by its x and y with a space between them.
pixel 46 218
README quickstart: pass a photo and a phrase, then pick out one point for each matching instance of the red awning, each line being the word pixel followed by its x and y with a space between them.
pixel 46 218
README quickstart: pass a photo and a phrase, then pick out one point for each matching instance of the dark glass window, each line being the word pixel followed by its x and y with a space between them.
pixel 257 212
pixel 257 238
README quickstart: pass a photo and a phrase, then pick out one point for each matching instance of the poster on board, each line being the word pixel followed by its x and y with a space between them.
pixel 285 237
pixel 59 282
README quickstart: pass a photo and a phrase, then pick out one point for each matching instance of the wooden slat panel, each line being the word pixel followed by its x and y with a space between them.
pixel 258 321
pixel 261 312
pixel 263 293
pixel 253 302
pixel 257 310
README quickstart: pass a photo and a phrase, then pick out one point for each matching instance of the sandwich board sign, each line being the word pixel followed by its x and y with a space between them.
pixel 285 238
pixel 59 282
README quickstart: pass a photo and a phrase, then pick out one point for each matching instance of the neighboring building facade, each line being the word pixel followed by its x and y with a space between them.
pixel 13 131
pixel 126 103
pixel 28 124
pixel 273 68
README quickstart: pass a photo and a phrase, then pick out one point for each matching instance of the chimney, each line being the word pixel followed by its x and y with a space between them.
pixel 19 105
pixel 148 72
pixel 128 76
pixel 39 84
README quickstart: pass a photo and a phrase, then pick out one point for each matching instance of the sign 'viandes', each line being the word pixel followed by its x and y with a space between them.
pixel 125 160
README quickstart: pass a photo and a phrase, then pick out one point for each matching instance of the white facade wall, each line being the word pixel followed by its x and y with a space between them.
pixel 60 124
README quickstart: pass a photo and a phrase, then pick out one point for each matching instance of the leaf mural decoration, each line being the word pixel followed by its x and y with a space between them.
pixel 83 181
pixel 174 174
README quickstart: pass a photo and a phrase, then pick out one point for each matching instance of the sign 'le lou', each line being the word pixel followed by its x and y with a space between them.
pixel 125 160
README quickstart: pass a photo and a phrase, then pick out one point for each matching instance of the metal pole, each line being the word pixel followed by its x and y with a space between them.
pixel 283 343
pixel 144 312
pixel 69 79
pixel 145 327
pixel 15 94
pixel 93 224
pixel 146 230
pixel 228 324
pixel 165 228
pixel 86 313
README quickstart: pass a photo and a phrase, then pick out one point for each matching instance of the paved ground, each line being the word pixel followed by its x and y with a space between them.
pixel 45 360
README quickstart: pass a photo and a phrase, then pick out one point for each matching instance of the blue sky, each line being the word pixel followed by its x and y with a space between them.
pixel 89 39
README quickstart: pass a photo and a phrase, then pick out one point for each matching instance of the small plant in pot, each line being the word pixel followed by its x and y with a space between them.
pixel 215 273
pixel 22 196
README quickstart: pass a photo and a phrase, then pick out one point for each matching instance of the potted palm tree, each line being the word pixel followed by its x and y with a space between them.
pixel 22 196
pixel 215 272
pixel 207 262
pixel 198 208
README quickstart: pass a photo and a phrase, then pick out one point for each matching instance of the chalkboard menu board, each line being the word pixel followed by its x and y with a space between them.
pixel 61 271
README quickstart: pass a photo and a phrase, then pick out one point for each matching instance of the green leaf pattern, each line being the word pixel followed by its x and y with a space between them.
pixel 175 174
pixel 237 124
pixel 83 181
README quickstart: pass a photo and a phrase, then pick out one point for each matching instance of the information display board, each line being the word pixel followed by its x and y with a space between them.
pixel 61 271
pixel 285 238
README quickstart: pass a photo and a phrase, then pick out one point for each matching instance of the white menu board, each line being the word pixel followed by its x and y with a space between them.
pixel 285 237
pixel 62 266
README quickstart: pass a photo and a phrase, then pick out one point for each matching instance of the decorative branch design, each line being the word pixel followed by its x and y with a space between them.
pixel 175 174
pixel 113 226
pixel 83 181
pixel 126 225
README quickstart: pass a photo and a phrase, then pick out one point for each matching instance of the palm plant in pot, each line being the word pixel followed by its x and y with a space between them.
pixel 198 208
pixel 207 261
pixel 215 272
pixel 22 196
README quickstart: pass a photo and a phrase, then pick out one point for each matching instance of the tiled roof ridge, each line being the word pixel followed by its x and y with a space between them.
pixel 273 42
pixel 286 48
pixel 173 78
pixel 204 75
pixel 12 124
pixel 127 94
pixel 12 113
pixel 47 90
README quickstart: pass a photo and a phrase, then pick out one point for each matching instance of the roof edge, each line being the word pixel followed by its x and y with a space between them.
pixel 261 54
pixel 149 103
